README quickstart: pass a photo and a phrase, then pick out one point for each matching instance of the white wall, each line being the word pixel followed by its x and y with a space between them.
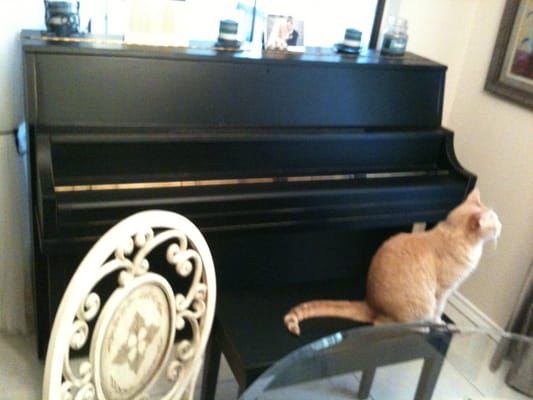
pixel 15 293
pixel 493 137
pixel 13 17
pixel 437 30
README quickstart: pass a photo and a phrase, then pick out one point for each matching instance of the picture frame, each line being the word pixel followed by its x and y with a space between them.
pixel 510 74
pixel 284 32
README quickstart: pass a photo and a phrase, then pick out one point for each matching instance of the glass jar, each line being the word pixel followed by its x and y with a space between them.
pixel 395 37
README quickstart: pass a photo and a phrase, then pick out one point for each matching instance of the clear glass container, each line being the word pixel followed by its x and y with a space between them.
pixel 395 37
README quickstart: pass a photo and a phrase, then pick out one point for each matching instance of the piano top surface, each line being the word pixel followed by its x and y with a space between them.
pixel 36 41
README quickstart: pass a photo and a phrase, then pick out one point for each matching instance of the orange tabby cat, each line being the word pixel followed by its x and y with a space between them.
pixel 412 274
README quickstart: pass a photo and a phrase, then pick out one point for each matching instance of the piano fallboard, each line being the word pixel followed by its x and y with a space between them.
pixel 241 181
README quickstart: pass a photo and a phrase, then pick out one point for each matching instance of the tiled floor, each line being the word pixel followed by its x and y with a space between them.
pixel 21 374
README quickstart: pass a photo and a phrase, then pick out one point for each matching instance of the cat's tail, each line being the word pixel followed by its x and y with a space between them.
pixel 355 310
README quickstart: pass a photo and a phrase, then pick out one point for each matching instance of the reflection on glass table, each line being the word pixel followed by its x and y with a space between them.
pixel 411 361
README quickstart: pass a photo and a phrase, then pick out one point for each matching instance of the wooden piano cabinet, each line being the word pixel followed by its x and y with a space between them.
pixel 294 166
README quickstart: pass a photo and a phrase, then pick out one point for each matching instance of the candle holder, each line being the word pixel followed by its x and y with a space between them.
pixel 62 18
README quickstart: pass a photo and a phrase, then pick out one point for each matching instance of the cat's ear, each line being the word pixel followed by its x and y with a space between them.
pixel 475 221
pixel 474 196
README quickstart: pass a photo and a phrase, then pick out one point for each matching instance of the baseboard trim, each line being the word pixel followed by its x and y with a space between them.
pixel 472 313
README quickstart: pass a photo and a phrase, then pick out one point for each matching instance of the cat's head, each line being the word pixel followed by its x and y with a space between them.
pixel 477 220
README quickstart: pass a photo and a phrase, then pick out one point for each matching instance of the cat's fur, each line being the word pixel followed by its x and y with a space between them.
pixel 412 274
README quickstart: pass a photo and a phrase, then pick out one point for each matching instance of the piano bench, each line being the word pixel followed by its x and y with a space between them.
pixel 250 331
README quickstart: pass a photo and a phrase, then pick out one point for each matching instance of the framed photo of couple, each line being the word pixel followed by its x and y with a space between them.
pixel 284 32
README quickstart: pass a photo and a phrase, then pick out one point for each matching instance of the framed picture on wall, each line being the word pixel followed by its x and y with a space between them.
pixel 283 32
pixel 511 70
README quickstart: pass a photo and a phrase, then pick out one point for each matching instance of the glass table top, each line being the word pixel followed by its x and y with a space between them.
pixel 412 361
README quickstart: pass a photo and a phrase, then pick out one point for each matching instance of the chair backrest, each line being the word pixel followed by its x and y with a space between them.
pixel 142 304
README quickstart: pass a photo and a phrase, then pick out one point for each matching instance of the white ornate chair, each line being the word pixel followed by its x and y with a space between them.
pixel 142 304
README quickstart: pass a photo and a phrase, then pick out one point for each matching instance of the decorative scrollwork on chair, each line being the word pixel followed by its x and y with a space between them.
pixel 145 337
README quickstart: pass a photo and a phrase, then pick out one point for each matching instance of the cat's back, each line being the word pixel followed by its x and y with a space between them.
pixel 405 248
pixel 401 260
pixel 402 276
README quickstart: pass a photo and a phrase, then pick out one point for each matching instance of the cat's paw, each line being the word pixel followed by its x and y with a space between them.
pixel 292 323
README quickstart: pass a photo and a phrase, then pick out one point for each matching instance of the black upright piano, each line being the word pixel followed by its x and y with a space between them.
pixel 295 166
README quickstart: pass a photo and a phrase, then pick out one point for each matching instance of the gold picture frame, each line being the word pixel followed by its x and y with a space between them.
pixel 511 69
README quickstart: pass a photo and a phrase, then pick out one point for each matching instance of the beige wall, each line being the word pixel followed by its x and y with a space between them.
pixel 438 30
pixel 494 138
